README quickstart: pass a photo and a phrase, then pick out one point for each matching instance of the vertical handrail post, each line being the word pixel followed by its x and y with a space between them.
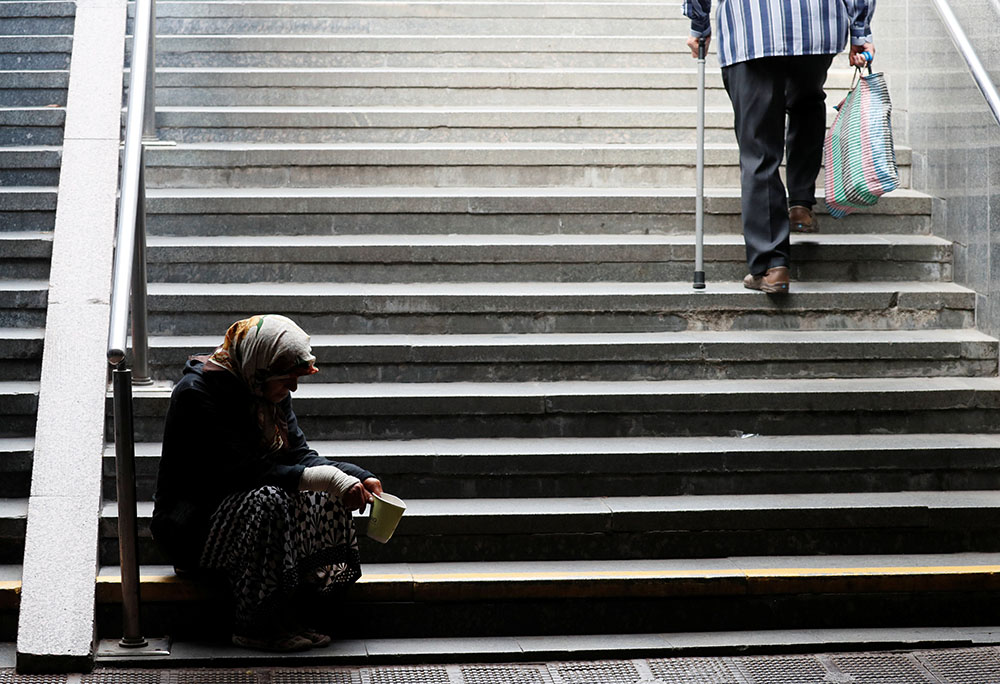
pixel 128 536
pixel 140 334
pixel 128 292
pixel 149 111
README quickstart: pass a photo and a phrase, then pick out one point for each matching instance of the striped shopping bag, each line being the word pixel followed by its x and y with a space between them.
pixel 858 155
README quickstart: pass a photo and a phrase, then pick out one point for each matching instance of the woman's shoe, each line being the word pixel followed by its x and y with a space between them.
pixel 281 643
pixel 317 639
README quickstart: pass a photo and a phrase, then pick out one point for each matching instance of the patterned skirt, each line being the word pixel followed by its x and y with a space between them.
pixel 272 545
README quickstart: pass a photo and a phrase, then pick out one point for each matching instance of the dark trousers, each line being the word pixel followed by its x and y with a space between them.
pixel 763 91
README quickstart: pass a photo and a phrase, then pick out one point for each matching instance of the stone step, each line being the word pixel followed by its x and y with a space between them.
pixel 513 600
pixel 684 80
pixel 13 520
pixel 20 353
pixel 661 527
pixel 25 245
pixel 391 210
pixel 526 258
pixel 212 165
pixel 668 7
pixel 695 657
pixel 31 165
pixel 664 13
pixel 639 125
pixel 33 88
pixel 637 466
pixel 27 199
pixel 442 87
pixel 25 256
pixel 314 22
pixel 435 50
pixel 671 408
pixel 15 466
pixel 38 8
pixel 22 303
pixel 35 24
pixel 620 356
pixel 27 209
pixel 18 403
pixel 31 125
pixel 30 156
pixel 10 602
pixel 35 52
pixel 478 307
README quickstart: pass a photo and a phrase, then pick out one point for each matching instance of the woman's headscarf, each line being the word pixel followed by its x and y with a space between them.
pixel 262 348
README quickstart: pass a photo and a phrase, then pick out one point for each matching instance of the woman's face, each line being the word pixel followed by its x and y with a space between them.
pixel 276 389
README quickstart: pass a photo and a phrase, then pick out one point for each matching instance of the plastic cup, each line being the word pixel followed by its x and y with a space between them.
pixel 386 512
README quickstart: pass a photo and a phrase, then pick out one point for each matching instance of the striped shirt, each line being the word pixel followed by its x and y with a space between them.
pixel 750 29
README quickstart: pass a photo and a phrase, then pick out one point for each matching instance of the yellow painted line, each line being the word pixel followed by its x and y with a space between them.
pixel 632 574
pixel 773 572
pixel 600 574
pixel 152 579
pixel 891 570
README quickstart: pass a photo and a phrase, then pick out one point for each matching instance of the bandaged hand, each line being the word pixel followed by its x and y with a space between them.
pixel 362 494
pixel 327 478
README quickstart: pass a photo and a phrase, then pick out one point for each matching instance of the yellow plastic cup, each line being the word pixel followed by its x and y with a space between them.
pixel 386 512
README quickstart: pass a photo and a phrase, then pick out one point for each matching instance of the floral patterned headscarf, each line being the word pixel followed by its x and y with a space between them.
pixel 262 348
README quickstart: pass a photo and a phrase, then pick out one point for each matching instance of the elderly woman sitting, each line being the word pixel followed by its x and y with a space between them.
pixel 240 492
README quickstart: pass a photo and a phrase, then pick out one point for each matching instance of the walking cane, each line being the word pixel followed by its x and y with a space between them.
pixel 699 210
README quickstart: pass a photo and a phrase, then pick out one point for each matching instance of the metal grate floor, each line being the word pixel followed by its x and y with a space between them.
pixel 942 666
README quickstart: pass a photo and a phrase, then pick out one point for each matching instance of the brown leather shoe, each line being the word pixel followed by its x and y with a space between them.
pixel 774 281
pixel 802 220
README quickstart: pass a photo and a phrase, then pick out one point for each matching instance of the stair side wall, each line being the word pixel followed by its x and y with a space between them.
pixel 56 622
pixel 941 114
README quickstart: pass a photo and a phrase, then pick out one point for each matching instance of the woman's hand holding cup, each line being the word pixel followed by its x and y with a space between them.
pixel 354 493
pixel 362 494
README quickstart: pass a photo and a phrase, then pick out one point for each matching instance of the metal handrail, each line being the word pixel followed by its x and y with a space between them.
pixel 129 282
pixel 979 73
pixel 130 251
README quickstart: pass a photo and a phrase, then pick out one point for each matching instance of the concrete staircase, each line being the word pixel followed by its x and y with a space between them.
pixel 35 45
pixel 482 212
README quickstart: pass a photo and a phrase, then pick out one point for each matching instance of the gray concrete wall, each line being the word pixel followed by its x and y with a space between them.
pixel 941 114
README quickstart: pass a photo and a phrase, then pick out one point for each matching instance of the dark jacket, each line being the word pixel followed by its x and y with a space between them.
pixel 212 448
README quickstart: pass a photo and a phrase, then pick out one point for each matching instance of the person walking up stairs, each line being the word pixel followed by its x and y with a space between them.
pixel 768 80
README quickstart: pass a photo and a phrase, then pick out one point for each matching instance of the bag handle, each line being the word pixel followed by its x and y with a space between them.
pixel 857 70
